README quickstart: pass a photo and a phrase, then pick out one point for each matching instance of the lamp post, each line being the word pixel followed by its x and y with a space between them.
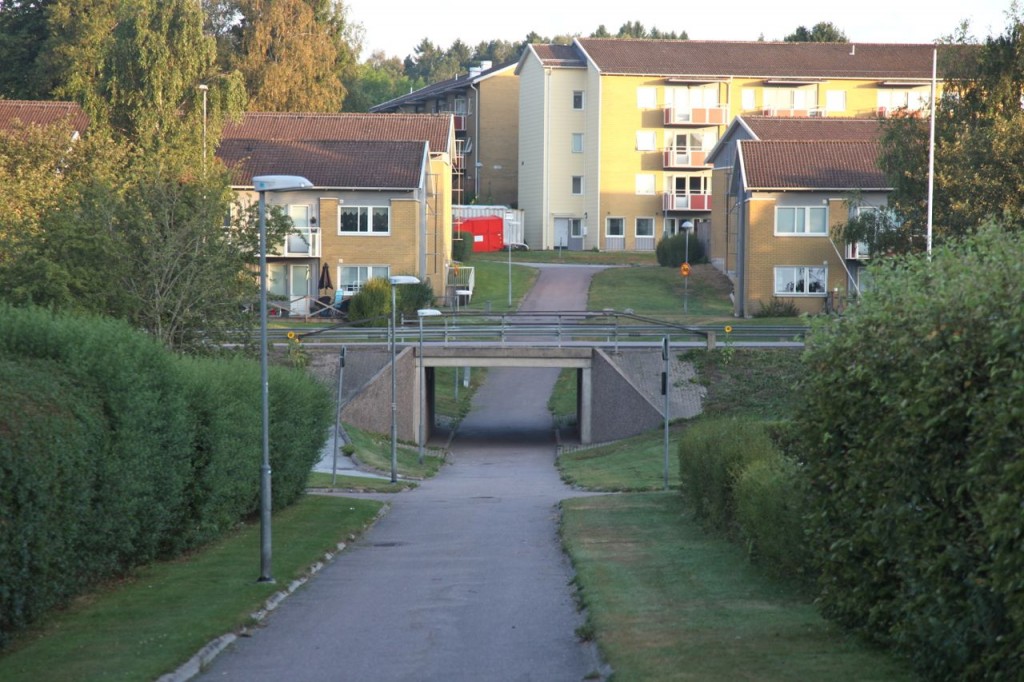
pixel 687 227
pixel 421 313
pixel 395 281
pixel 264 184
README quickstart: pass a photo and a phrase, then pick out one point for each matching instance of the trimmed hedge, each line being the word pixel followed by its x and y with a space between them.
pixel 913 433
pixel 672 251
pixel 739 483
pixel 115 452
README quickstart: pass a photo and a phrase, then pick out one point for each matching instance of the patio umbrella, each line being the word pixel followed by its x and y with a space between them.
pixel 325 278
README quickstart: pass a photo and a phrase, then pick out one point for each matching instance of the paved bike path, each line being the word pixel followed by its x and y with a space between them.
pixel 464 578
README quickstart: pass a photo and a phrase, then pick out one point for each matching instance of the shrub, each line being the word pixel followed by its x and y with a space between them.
pixel 672 251
pixel 778 307
pixel 912 430
pixel 462 246
pixel 371 306
pixel 712 455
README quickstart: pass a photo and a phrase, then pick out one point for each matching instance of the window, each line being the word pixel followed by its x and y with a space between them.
pixel 577 184
pixel 299 215
pixel 809 220
pixel 646 98
pixel 835 100
pixel 748 99
pixel 577 143
pixel 351 278
pixel 789 98
pixel 577 99
pixel 645 227
pixel 800 280
pixel 364 219
pixel 646 141
pixel 615 227
pixel 576 228
pixel 890 100
pixel 644 183
pixel 461 107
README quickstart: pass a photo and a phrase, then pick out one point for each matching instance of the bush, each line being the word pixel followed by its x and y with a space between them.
pixel 778 307
pixel 712 455
pixel 912 430
pixel 371 306
pixel 116 452
pixel 769 511
pixel 671 251
pixel 462 246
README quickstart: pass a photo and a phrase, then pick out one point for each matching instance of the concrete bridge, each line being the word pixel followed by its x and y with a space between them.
pixel 618 392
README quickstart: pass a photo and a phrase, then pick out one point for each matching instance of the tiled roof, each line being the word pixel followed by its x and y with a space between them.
pixel 835 129
pixel 434 128
pixel 811 165
pixel 15 112
pixel 559 55
pixel 366 164
pixel 435 89
pixel 711 59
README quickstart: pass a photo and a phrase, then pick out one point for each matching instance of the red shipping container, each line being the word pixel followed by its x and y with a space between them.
pixel 488 233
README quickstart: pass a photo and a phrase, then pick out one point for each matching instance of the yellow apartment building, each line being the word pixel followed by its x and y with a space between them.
pixel 485 110
pixel 615 134
pixel 380 205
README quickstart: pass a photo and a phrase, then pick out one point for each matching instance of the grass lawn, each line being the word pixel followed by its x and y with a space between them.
pixel 658 292
pixel 152 622
pixel 575 257
pixel 492 279
pixel 631 464
pixel 667 601
pixel 374 451
pixel 361 484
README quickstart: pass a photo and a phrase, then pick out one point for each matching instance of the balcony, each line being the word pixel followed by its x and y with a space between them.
pixel 684 157
pixel 686 202
pixel 302 242
pixel 700 116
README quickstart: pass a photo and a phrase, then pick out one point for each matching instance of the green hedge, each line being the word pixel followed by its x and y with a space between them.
pixel 914 433
pixel 672 251
pixel 115 452
pixel 739 483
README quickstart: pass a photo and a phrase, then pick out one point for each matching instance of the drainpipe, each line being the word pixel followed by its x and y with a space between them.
pixel 741 256
pixel 476 142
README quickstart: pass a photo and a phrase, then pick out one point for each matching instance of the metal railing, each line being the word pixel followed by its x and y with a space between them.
pixel 612 330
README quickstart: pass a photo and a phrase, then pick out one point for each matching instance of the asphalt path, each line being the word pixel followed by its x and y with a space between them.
pixel 464 578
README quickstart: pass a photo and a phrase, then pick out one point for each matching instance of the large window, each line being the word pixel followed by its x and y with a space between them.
pixel 646 98
pixel 615 227
pixel 351 278
pixel 577 143
pixel 364 219
pixel 646 141
pixel 800 280
pixel 808 220
pixel 645 227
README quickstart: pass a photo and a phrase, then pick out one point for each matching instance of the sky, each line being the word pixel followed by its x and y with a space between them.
pixel 398 26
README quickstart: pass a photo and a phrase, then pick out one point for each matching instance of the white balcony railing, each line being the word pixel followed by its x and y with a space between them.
pixel 302 242
pixel 716 115
pixel 686 202
pixel 684 157
pixel 816 112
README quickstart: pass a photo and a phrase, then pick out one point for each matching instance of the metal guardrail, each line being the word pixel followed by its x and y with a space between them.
pixel 604 329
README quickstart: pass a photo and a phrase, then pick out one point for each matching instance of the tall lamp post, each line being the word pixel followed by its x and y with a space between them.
pixel 687 227
pixel 395 281
pixel 421 313
pixel 264 184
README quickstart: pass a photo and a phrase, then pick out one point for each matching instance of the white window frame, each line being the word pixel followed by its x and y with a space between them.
pixel 576 144
pixel 577 185
pixel 797 280
pixel 366 217
pixel 647 220
pixel 617 220
pixel 576 228
pixel 646 97
pixel 748 99
pixel 364 273
pixel 646 140
pixel 835 100
pixel 645 184
pixel 579 100
pixel 802 220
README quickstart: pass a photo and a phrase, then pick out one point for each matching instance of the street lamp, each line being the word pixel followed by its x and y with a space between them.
pixel 395 281
pixel 264 184
pixel 421 313
pixel 687 227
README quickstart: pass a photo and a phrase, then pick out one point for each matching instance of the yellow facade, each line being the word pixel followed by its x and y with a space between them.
pixel 494 127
